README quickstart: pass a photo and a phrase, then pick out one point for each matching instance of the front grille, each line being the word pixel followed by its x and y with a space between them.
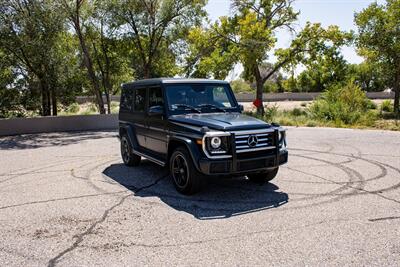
pixel 254 142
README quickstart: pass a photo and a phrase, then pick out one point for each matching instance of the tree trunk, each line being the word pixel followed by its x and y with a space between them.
pixel 396 86
pixel 259 96
pixel 45 98
pixel 259 90
pixel 48 104
pixel 89 67
pixel 54 101
pixel 146 71
pixel 105 73
pixel 108 102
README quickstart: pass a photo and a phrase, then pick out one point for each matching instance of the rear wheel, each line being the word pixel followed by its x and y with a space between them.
pixel 263 177
pixel 186 178
pixel 129 158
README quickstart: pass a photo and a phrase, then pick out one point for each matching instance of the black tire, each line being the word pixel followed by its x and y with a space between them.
pixel 129 158
pixel 263 177
pixel 186 178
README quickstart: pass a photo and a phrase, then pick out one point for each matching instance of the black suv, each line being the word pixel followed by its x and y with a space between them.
pixel 195 127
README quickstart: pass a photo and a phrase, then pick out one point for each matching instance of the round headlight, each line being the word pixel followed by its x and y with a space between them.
pixel 215 142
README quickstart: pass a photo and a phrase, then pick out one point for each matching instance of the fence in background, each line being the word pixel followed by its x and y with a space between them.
pixel 271 97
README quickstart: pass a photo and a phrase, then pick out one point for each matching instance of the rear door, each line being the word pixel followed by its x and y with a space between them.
pixel 139 114
pixel 156 134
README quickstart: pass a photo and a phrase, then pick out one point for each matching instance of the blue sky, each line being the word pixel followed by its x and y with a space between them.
pixel 327 12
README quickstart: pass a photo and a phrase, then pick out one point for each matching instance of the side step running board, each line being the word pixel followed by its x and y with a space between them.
pixel 159 162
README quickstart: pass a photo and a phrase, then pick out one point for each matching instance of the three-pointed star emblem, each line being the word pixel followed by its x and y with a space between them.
pixel 252 141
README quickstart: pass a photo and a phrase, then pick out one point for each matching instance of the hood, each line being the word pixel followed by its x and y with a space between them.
pixel 221 121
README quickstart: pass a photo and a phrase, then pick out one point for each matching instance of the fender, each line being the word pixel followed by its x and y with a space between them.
pixel 131 135
pixel 191 147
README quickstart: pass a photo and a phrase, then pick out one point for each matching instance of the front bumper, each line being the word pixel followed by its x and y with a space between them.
pixel 242 166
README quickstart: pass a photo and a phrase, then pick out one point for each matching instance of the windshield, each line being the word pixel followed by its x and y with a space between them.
pixel 200 97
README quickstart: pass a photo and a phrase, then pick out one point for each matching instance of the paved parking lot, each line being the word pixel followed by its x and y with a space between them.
pixel 67 200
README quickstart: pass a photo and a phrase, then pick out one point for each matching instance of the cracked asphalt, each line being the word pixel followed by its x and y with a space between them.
pixel 66 199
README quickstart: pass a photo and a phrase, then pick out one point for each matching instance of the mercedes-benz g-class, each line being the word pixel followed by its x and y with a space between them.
pixel 197 129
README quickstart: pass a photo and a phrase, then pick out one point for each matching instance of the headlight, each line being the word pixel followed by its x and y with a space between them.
pixel 216 142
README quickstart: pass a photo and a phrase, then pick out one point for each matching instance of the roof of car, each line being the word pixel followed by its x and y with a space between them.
pixel 171 81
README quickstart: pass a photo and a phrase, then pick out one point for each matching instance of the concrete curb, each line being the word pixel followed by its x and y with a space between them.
pixel 58 124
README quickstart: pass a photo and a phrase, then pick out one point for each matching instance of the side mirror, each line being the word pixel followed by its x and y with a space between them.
pixel 241 108
pixel 156 111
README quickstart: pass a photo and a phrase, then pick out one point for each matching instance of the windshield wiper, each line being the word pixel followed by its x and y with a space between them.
pixel 211 106
pixel 187 107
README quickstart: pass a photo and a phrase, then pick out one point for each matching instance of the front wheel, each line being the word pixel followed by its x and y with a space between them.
pixel 187 179
pixel 263 177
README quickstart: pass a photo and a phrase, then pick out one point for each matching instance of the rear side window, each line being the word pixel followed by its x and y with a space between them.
pixel 140 99
pixel 126 99
pixel 155 97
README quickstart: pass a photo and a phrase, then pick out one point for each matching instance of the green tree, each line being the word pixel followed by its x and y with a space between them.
pixel 78 13
pixel 248 37
pixel 29 33
pixel 111 61
pixel 379 40
pixel 368 75
pixel 152 28
pixel 10 97
pixel 322 71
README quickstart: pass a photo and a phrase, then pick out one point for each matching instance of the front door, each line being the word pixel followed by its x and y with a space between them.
pixel 156 140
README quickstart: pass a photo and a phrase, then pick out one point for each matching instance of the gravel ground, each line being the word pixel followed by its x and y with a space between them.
pixel 67 200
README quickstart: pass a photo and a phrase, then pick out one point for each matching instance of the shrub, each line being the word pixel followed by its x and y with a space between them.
pixel 270 112
pixel 114 107
pixel 372 105
pixel 387 106
pixel 73 108
pixel 298 112
pixel 341 105
pixel 240 86
pixel 92 108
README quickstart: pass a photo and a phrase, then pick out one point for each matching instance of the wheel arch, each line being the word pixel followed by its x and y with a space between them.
pixel 189 144
pixel 126 129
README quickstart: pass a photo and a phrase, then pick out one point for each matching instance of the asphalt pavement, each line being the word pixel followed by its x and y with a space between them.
pixel 66 199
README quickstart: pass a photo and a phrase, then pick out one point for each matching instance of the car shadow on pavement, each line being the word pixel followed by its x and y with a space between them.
pixel 221 198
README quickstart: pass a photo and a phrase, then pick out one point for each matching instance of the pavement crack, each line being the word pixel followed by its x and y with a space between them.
pixel 60 199
pixel 384 218
pixel 80 237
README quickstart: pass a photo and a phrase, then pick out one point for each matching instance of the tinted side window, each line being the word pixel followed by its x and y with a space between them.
pixel 140 98
pixel 155 97
pixel 126 99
